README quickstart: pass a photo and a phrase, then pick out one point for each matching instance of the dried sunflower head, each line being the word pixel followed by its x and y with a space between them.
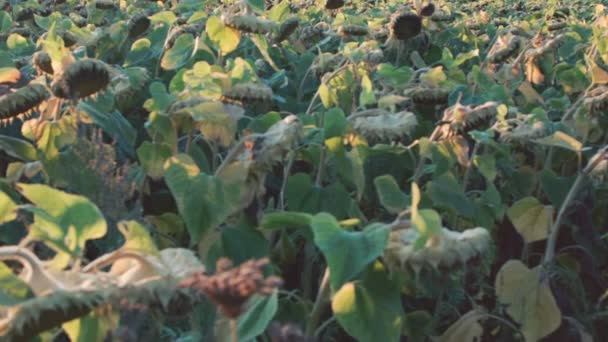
pixel 248 23
pixel 333 4
pixel 287 27
pixel 353 30
pixel 428 95
pixel 22 102
pixel 138 25
pixel 524 132
pixel 42 62
pixel 378 124
pixel 248 92
pixel 405 25
pixel 505 47
pixel 445 249
pixel 82 78
pixel 462 117
pixel 427 10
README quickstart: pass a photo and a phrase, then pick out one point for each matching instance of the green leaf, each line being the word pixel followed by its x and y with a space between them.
pixel 257 5
pixel 347 253
pixel 417 325
pixel 18 148
pixel 159 99
pixel 241 243
pixel 531 219
pixel 262 123
pixel 446 192
pixel 8 208
pixel 302 195
pixel 13 290
pixel 486 164
pixel 179 54
pixel 561 139
pixel 202 200
pixel 262 44
pixel 491 199
pixel 161 129
pixel 253 322
pixel 396 76
pixel 66 222
pixel 370 310
pixel 114 124
pixel 573 80
pixel 390 195
pixel 285 220
pixel 152 157
pixel 556 188
pixel 140 52
pixel 334 123
pixel 54 18
pixel 5 22
pixel 225 37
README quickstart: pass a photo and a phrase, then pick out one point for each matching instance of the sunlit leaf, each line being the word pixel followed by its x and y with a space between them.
pixel 7 208
pixel 76 218
pixel 225 37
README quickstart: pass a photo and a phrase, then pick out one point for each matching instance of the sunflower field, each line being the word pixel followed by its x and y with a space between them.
pixel 307 170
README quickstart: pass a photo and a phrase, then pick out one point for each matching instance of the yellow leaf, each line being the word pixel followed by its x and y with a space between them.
pixel 529 93
pixel 563 140
pixel 531 219
pixel 533 72
pixel 528 301
pixel 598 75
pixel 9 75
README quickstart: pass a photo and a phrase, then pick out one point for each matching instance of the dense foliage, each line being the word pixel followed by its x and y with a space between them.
pixel 204 170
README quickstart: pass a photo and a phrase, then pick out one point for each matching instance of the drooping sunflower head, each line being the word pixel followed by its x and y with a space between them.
pixel 427 10
pixel 138 25
pixel 42 62
pixel 22 102
pixel 405 25
pixel 81 79
pixel 333 4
